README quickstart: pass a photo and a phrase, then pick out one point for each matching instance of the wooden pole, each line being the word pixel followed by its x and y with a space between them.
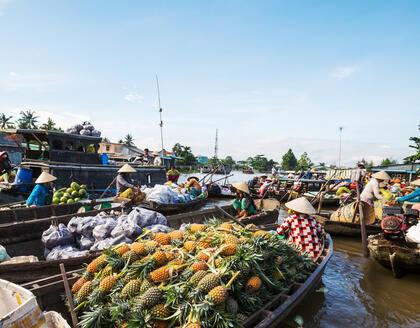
pixel 362 223
pixel 228 215
pixel 321 198
pixel 161 122
pixel 107 188
pixel 69 297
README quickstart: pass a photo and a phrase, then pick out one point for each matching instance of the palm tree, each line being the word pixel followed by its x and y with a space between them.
pixel 5 121
pixel 50 125
pixel 28 120
pixel 128 140
pixel 105 139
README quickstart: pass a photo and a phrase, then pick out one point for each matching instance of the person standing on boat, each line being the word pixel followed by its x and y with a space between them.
pixel 123 179
pixel 147 158
pixel 243 204
pixel 43 188
pixel 273 172
pixel 358 176
pixel 173 174
pixel 305 232
pixel 157 160
pixel 371 191
pixel 193 186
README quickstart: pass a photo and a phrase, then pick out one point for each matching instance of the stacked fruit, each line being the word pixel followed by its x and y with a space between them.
pixel 70 195
pixel 212 275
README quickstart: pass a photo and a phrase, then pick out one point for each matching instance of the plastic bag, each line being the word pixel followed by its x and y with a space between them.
pixel 158 228
pixel 88 127
pixel 85 132
pixel 96 133
pixel 103 231
pixel 65 252
pixel 108 242
pixel 413 234
pixel 145 217
pixel 56 236
pixel 84 243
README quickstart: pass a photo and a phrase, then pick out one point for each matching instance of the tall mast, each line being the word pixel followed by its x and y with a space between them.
pixel 161 122
pixel 216 146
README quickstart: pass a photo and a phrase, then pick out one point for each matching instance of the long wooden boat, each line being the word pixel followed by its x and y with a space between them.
pixel 22 272
pixel 398 255
pixel 347 229
pixel 168 209
pixel 325 200
pixel 49 289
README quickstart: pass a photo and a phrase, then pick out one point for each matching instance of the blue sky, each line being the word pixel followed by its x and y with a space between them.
pixel 270 75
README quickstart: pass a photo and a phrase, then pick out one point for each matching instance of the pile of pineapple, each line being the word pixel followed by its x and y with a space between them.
pixel 210 275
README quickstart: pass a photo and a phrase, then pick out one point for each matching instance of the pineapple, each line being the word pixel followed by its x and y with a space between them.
pixel 278 275
pixel 107 283
pixel 130 256
pixel 161 274
pixel 160 324
pixel 122 249
pixel 131 288
pixel 177 263
pixel 203 255
pixel 197 266
pixel 292 271
pixel 279 260
pixel 210 281
pixel 193 325
pixel 176 235
pixel 197 227
pixel 231 239
pixel 218 294
pixel 170 256
pixel 253 285
pixel 139 248
pixel 88 275
pixel 190 245
pixel 163 238
pixel 160 258
pixel 160 311
pixel 195 279
pixel 78 284
pixel 203 244
pixel 225 227
pixel 261 233
pixel 145 285
pixel 241 317
pixel 228 249
pixel 93 266
pixel 152 243
pixel 151 297
pixel 218 262
pixel 231 305
pixel 85 291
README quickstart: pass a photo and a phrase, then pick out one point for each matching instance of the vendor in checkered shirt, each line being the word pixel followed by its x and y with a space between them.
pixel 305 232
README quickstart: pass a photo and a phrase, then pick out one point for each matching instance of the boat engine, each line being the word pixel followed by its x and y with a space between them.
pixel 397 225
pixel 5 165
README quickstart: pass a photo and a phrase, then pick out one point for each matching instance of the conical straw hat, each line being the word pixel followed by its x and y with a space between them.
pixel 126 169
pixel 416 182
pixel 45 178
pixel 301 205
pixel 242 186
pixel 382 175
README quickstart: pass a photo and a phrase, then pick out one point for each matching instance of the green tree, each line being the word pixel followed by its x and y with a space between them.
pixel 185 152
pixel 229 161
pixel 128 140
pixel 5 121
pixel 105 139
pixel 260 163
pixel 50 126
pixel 86 123
pixel 27 120
pixel 416 146
pixel 289 161
pixel 305 162
pixel 388 161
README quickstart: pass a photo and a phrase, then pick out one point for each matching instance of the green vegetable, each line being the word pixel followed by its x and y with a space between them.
pixel 58 194
pixel 64 199
pixel 75 186
pixel 56 200
pixel 69 190
pixel 70 201
pixel 83 187
pixel 82 192
pixel 77 199
pixel 74 194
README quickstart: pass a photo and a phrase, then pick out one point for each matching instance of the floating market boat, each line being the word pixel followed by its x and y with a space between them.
pixel 49 289
pixel 24 238
pixel 396 254
pixel 69 157
pixel 168 209
pixel 247 171
pixel 346 228
pixel 326 200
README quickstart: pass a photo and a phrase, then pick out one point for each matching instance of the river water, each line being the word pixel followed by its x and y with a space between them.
pixel 355 292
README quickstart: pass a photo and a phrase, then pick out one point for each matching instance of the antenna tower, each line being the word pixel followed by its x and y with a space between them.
pixel 216 146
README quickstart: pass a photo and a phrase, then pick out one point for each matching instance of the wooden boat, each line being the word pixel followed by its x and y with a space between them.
pixel 247 171
pixel 167 209
pixel 325 200
pixel 31 242
pixel 398 255
pixel 18 212
pixel 49 289
pixel 346 229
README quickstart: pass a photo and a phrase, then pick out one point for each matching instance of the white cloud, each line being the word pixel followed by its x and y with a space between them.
pixel 343 72
pixel 134 97
pixel 13 81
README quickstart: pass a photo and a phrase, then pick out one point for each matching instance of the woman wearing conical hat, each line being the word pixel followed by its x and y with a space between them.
pixel 414 196
pixel 371 192
pixel 38 196
pixel 305 232
pixel 243 204
pixel 123 179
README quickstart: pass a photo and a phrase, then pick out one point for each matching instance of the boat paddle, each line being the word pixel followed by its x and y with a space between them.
pixel 221 210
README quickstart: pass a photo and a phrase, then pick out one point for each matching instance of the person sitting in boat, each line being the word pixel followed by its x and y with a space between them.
pixel 414 196
pixel 157 160
pixel 123 179
pixel 243 203
pixel 267 183
pixel 371 192
pixel 253 182
pixel 43 188
pixel 173 174
pixel 193 186
pixel 305 232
